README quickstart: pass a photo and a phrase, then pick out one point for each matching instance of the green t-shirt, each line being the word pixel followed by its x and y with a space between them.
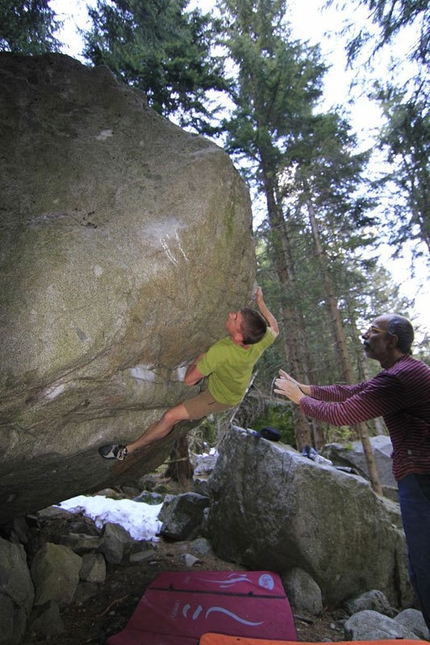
pixel 229 367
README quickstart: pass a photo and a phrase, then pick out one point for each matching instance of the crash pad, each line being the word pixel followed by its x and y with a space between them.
pixel 179 607
pixel 222 639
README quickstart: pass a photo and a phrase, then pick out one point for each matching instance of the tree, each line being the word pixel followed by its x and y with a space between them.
pixel 299 160
pixel 158 47
pixel 277 83
pixel 27 27
pixel 391 16
pixel 405 136
pixel 406 139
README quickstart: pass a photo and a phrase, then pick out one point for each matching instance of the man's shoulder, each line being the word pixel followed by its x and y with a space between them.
pixel 409 363
pixel 410 371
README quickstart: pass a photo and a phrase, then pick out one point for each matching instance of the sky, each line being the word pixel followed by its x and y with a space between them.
pixel 312 22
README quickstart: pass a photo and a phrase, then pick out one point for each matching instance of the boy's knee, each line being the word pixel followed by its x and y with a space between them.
pixel 174 415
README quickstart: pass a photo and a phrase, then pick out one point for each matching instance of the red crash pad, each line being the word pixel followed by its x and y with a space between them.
pixel 179 607
pixel 222 639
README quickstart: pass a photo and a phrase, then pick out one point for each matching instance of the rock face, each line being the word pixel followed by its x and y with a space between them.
pixel 278 510
pixel 124 242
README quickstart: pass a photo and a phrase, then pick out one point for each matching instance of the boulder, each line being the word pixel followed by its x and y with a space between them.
pixel 93 568
pixel 183 517
pixel 16 592
pixel 370 625
pixel 272 508
pixel 116 543
pixel 125 241
pixel 303 592
pixel 55 573
pixel 413 620
pixel 46 620
pixel 352 455
pixel 373 600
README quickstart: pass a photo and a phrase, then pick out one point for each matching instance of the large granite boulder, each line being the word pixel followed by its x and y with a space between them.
pixel 274 509
pixel 124 243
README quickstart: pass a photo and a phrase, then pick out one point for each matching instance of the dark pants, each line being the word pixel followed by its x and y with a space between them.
pixel 414 498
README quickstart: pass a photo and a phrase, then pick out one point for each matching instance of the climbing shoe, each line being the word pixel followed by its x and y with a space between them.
pixel 113 452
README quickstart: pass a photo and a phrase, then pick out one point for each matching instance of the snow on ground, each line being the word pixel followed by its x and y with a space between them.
pixel 138 518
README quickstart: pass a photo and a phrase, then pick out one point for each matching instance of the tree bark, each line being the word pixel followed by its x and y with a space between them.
pixel 180 468
pixel 341 346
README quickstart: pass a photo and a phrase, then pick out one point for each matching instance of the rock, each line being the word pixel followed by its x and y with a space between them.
pixel 93 568
pixel 147 497
pixel 55 573
pixel 371 625
pixel 201 486
pixel 142 556
pixel 374 600
pixel 46 620
pixel 116 543
pixel 125 243
pixel 274 509
pixel 16 592
pixel 184 517
pixel 81 543
pixel 302 591
pixel 413 620
pixel 352 455
pixel 190 560
pixel 84 591
pixel 202 546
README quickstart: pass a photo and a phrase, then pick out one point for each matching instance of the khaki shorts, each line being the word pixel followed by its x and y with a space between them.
pixel 203 405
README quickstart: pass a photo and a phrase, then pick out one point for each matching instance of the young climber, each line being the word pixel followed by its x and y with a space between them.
pixel 228 364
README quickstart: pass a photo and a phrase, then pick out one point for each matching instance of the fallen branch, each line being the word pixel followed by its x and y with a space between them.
pixel 117 601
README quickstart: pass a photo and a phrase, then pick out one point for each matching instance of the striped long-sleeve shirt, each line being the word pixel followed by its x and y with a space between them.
pixel 400 394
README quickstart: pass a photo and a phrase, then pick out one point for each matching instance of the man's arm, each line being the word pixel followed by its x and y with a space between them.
pixel 192 375
pixel 271 320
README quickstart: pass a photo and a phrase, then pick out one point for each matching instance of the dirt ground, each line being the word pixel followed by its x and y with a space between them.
pixel 109 611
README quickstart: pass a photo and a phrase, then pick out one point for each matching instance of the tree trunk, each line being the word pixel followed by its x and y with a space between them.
pixel 341 346
pixel 291 325
pixel 180 468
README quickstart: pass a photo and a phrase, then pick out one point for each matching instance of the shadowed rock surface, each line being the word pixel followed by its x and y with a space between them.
pixel 124 242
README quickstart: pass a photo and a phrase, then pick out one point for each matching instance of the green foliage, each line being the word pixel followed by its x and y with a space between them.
pixel 204 435
pixel 158 47
pixel 280 417
pixel 27 27
pixel 406 139
pixel 391 16
pixel 277 83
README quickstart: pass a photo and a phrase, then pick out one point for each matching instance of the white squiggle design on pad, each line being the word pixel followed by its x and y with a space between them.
pixel 266 581
pixel 225 584
pixel 185 610
pixel 234 616
pixel 197 612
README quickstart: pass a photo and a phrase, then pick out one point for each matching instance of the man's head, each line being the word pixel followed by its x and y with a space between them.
pixel 389 337
pixel 246 326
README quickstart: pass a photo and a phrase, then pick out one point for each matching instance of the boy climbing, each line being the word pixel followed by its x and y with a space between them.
pixel 228 364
